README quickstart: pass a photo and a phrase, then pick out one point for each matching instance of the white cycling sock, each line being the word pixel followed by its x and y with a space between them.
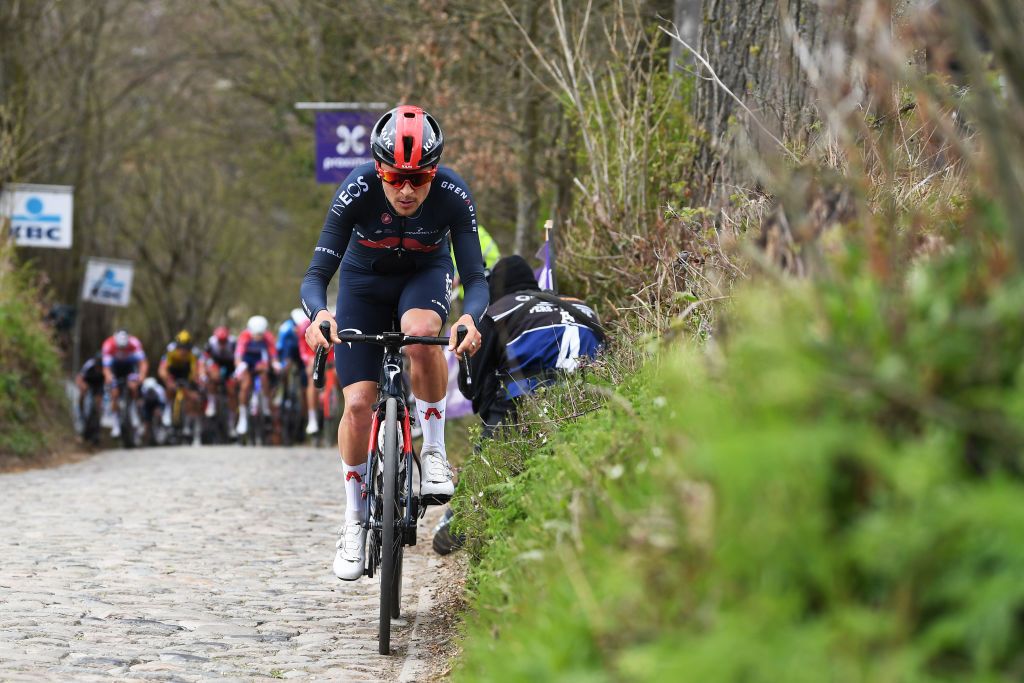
pixel 431 419
pixel 354 476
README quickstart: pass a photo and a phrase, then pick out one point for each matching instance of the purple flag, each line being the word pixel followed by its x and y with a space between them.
pixel 546 273
pixel 342 143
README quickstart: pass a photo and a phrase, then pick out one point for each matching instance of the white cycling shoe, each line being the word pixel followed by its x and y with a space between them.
pixel 311 426
pixel 351 554
pixel 436 475
pixel 243 423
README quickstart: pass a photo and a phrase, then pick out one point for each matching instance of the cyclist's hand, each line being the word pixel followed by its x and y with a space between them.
pixel 472 341
pixel 313 336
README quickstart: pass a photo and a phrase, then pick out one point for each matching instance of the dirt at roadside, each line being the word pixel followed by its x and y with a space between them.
pixel 15 463
pixel 436 633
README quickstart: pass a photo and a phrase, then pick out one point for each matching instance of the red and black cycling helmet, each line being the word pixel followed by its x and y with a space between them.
pixel 407 138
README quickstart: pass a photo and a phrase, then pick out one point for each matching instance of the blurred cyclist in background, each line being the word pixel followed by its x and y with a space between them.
pixel 123 359
pixel 254 355
pixel 219 358
pixel 180 366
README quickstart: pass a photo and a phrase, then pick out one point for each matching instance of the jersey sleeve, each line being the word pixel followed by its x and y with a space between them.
pixel 243 341
pixel 140 354
pixel 468 260
pixel 271 346
pixel 108 353
pixel 330 248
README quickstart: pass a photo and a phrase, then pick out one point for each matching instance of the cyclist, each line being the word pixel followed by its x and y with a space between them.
pixel 180 365
pixel 123 359
pixel 288 352
pixel 312 393
pixel 254 353
pixel 154 405
pixel 90 380
pixel 389 228
pixel 529 338
pixel 219 359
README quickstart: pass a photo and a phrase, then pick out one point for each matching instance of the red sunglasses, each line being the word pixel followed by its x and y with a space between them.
pixel 397 180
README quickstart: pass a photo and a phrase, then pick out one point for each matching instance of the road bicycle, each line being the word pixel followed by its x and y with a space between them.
pixel 127 412
pixel 291 405
pixel 259 413
pixel 91 407
pixel 179 402
pixel 217 428
pixel 392 503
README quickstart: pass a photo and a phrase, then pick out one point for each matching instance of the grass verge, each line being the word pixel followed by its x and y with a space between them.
pixel 33 411
pixel 839 501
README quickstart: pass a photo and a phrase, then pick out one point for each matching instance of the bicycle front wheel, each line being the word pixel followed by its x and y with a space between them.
pixel 391 541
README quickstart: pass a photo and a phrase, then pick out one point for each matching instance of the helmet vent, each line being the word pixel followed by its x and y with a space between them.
pixel 407 143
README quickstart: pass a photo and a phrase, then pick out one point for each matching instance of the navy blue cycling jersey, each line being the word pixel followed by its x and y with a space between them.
pixel 363 230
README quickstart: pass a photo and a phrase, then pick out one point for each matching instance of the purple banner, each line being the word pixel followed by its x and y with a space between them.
pixel 342 143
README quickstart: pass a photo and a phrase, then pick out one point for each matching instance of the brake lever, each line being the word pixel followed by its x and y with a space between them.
pixel 460 336
pixel 320 359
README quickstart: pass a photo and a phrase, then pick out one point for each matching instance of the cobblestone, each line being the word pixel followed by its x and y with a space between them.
pixel 190 565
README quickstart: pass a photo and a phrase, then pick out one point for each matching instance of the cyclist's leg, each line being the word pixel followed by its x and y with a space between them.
pixel 361 307
pixel 424 308
pixel 311 397
pixel 244 379
pixel 366 303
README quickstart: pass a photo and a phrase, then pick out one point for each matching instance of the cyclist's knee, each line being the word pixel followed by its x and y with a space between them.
pixel 420 322
pixel 358 404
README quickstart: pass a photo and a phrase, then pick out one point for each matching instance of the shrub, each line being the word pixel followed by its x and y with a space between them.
pixel 33 412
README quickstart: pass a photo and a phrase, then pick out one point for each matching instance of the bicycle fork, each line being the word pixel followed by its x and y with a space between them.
pixel 409 501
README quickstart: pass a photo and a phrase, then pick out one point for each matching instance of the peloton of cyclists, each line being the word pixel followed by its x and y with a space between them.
pixel 225 364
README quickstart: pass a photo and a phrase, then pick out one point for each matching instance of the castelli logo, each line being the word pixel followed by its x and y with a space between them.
pixel 385 218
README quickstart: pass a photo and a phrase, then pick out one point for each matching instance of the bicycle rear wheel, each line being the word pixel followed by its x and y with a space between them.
pixel 391 541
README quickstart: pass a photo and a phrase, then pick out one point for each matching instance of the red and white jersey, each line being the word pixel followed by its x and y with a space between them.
pixel 132 353
pixel 255 349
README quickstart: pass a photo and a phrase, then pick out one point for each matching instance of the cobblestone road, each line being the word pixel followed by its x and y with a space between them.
pixel 193 564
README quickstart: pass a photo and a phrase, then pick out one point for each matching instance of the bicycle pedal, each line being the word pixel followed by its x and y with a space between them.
pixel 434 499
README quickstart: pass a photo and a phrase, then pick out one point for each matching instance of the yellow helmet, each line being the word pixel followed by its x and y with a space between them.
pixel 183 338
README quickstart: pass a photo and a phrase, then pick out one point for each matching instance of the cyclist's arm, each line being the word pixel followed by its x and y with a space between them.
pixel 466 247
pixel 329 250
pixel 243 341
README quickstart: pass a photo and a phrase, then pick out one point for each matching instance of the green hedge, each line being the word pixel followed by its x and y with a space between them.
pixel 839 500
pixel 33 412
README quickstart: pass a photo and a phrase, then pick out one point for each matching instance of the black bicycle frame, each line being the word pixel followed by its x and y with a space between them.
pixel 391 385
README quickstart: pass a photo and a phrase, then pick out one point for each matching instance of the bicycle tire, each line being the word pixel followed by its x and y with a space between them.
pixel 91 430
pixel 127 428
pixel 396 585
pixel 390 541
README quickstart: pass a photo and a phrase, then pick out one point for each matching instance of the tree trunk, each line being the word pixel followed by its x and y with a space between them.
pixel 754 56
pixel 686 16
pixel 527 196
